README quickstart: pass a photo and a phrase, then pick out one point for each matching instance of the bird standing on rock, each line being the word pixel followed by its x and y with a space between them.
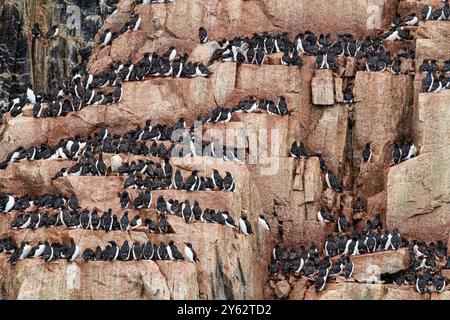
pixel 262 221
pixel 36 31
pixel 332 181
pixel 202 35
pixel 190 253
pixel 53 32
pixel 367 153
pixel 396 153
pixel 245 225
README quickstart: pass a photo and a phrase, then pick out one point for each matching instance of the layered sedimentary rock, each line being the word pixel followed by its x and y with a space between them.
pixel 423 211
pixel 413 196
pixel 162 27
pixel 44 63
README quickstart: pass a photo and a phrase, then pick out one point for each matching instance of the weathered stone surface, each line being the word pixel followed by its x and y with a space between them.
pixel 420 212
pixel 363 291
pixel 371 266
pixel 298 290
pixel 347 291
pixel 383 106
pixel 31 178
pixel 429 34
pixel 316 232
pixel 281 289
pixel 203 53
pixel 403 293
pixel 41 62
pixel 381 98
pixel 312 180
pixel 322 88
pixel 434 122
pixel 328 134
pixel 423 212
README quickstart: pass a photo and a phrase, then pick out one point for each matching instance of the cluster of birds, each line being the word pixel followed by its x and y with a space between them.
pixel 403 152
pixel 133 142
pixel 112 252
pixel 307 262
pixel 253 49
pixel 436 14
pixel 435 79
pixel 52 33
pixel 44 250
pixel 83 88
pixel 179 208
pixel 68 98
pixel 47 201
pixel 250 105
pixel 167 65
pixel 400 27
pixel 74 219
pixel 150 179
pixel 138 251
pixel 424 269
pixel 371 239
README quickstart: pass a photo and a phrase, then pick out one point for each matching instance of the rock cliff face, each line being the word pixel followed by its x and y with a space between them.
pixel 45 63
pixel 413 196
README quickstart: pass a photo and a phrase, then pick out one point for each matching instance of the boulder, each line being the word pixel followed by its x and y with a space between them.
pixel 369 267
pixel 281 288
pixel 422 212
pixel 298 289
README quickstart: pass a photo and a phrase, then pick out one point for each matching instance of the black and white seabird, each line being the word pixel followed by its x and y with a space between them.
pixel 186 211
pixel 106 38
pixel 202 35
pixel 396 153
pixel 349 267
pixel 20 253
pixel 53 32
pixel 6 203
pixel 330 248
pixel 262 221
pixel 324 216
pixel 245 225
pixel 36 31
pixel 367 153
pixel 190 253
pixel 342 222
pixel 118 93
pixel 409 150
pixel 73 251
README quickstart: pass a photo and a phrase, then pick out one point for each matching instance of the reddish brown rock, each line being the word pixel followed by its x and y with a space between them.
pixel 433 41
pixel 347 291
pixel 298 290
pixel 422 212
pixel 31 177
pixel 369 267
pixel 322 88
pixel 281 288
